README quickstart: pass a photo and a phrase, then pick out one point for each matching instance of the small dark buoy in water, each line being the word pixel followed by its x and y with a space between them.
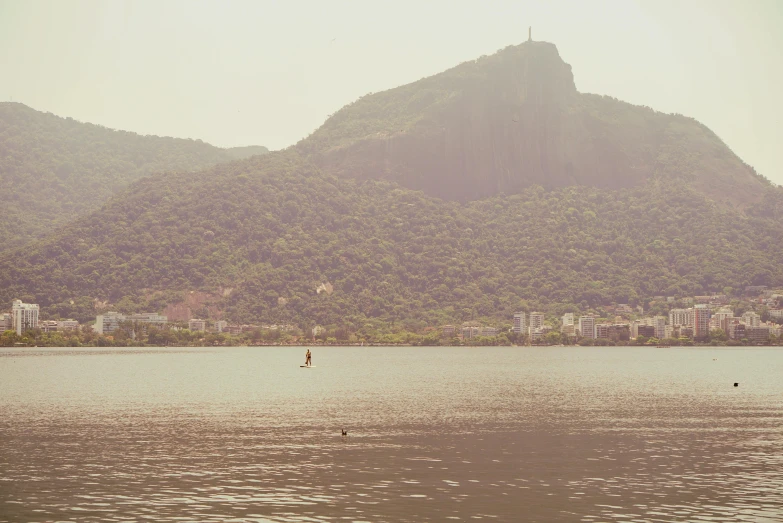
pixel 736 384
pixel 345 432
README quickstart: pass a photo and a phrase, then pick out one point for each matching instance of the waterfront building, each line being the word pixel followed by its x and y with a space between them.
pixel 602 331
pixel 587 326
pixel 751 319
pixel 648 331
pixel 470 332
pixel 24 316
pixel 679 317
pixel 67 325
pixel 196 325
pixel 449 330
pixel 757 334
pixel 520 326
pixel 47 326
pixel 718 320
pixel 149 318
pixel 110 322
pixel 489 331
pixel 568 319
pixel 220 325
pixel 701 321
pixel 6 322
pixel 536 321
pixel 659 323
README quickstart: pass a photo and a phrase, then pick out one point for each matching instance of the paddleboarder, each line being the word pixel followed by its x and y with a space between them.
pixel 308 358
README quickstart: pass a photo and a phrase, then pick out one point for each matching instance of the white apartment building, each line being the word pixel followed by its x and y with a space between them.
pixel 520 325
pixel 110 322
pixel 568 319
pixel 587 326
pixel 536 321
pixel 220 325
pixel 680 317
pixel 751 319
pixel 6 322
pixel 718 320
pixel 24 316
pixel 107 323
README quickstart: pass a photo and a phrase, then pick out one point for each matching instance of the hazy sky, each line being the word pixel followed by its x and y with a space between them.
pixel 261 72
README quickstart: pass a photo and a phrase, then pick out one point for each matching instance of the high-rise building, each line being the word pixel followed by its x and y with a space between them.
pixel 751 319
pixel 520 325
pixel 568 319
pixel 602 330
pixel 718 320
pixel 536 321
pixel 701 321
pixel 659 323
pixel 6 322
pixel 680 317
pixel 24 316
pixel 587 326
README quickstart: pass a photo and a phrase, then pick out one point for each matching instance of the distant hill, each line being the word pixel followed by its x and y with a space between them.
pixel 508 121
pixel 247 151
pixel 424 231
pixel 53 169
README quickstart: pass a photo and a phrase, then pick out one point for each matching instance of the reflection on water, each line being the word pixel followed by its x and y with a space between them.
pixel 434 434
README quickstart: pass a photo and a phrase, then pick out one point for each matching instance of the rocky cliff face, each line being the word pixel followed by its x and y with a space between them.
pixel 515 119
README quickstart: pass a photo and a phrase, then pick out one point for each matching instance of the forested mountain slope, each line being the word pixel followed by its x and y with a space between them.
pixel 53 169
pixel 651 204
pixel 515 119
pixel 274 228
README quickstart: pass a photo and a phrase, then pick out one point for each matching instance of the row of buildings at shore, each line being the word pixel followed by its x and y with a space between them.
pixel 697 322
pixel 25 317
pixel 707 316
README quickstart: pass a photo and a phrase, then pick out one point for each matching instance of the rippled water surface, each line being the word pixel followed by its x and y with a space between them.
pixel 434 434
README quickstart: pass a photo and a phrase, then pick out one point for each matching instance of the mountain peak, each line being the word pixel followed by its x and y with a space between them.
pixel 514 119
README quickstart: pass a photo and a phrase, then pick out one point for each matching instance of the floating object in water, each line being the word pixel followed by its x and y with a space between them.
pixel 345 432
pixel 736 384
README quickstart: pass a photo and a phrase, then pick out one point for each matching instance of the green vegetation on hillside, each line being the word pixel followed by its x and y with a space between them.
pixel 274 228
pixel 570 201
pixel 54 169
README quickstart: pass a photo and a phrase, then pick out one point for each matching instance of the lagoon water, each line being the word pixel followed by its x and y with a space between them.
pixel 434 434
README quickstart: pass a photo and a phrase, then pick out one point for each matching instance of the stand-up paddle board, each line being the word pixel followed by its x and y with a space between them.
pixel 307 366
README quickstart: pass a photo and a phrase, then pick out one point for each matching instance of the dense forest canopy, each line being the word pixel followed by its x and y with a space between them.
pixel 54 169
pixel 274 228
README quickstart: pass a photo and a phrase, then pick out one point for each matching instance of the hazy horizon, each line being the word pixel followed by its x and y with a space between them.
pixel 261 73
